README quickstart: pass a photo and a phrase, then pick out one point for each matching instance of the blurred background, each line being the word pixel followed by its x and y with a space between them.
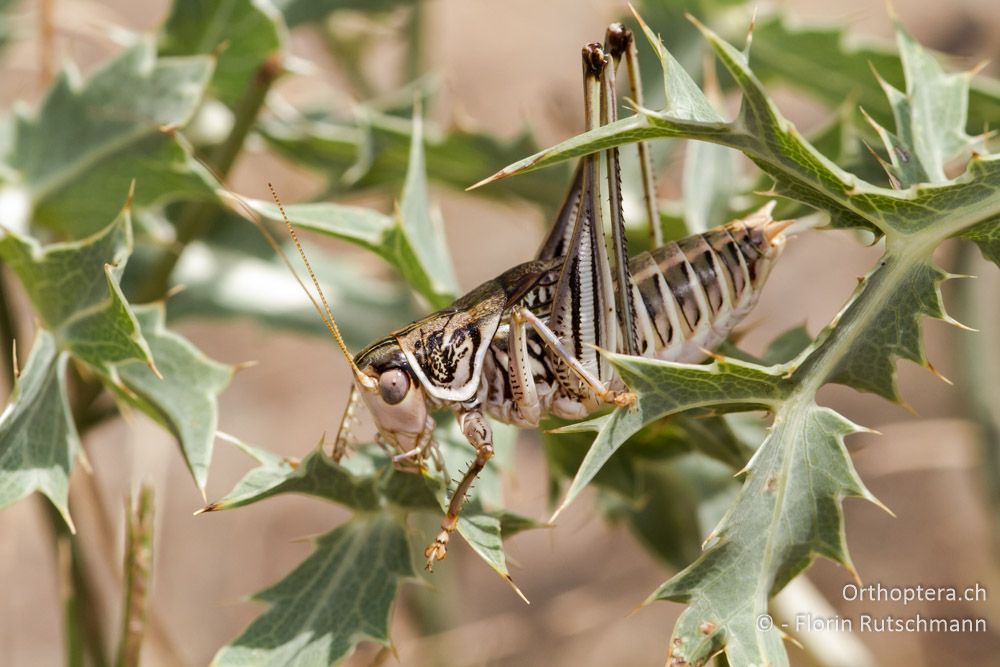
pixel 504 68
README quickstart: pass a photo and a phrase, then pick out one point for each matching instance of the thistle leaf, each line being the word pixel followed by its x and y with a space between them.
pixel 341 594
pixel 38 440
pixel 74 288
pixel 248 31
pixel 937 106
pixel 316 475
pixel 826 63
pixel 89 140
pixel 786 514
pixel 184 398
pixel 666 388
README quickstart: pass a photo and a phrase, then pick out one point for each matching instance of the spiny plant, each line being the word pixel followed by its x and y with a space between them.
pixel 109 184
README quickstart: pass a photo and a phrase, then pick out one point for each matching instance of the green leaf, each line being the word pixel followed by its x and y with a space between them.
pixel 711 180
pixel 38 440
pixel 184 399
pixel 223 282
pixel 412 241
pixel 371 150
pixel 931 117
pixel 824 62
pixel 364 227
pixel 77 156
pixel 787 512
pixel 340 595
pixel 421 228
pixel 74 288
pixel 316 475
pixel 248 31
pixel 665 388
pixel 869 363
pixel 674 504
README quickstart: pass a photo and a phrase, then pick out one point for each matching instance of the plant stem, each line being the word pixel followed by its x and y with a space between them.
pixel 8 333
pixel 81 613
pixel 414 65
pixel 138 568
pixel 196 218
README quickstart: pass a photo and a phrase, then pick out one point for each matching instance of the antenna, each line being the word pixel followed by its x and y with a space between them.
pixel 325 313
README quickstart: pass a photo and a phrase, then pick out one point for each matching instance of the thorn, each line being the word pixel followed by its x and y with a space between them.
pixel 937 373
pixel 489 179
pixel 715 356
pixel 955 323
pixel 168 129
pixel 220 49
pixel 979 67
pixel 13 356
pixel 792 640
pixel 517 590
pixel 128 198
pixel 244 365
pixel 878 503
pixel 211 507
pixel 85 462
pixel 172 292
pixel 906 406
pixel 749 41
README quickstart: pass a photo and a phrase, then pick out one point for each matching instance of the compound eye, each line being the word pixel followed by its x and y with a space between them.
pixel 393 385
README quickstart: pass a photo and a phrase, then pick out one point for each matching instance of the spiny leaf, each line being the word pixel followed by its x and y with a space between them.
pixel 666 388
pixel 786 514
pixel 247 30
pixel 799 170
pixel 364 227
pixel 38 440
pixel 89 140
pixel 824 62
pixel 340 595
pixel 366 481
pixel 986 235
pixel 937 108
pixel 74 288
pixel 870 363
pixel 316 475
pixel 184 399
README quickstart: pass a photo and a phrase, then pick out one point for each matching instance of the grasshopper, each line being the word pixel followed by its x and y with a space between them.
pixel 527 343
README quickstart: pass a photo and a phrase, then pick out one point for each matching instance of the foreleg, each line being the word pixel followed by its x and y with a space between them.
pixel 477 431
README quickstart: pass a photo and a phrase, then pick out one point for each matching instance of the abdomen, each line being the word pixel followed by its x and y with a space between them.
pixel 690 294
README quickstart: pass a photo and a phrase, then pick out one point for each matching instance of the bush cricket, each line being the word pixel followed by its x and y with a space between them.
pixel 527 343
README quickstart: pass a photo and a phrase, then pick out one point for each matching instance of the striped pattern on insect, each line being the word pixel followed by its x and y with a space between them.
pixel 526 344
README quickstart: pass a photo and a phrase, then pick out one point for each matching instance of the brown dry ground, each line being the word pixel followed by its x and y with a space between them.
pixel 507 65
